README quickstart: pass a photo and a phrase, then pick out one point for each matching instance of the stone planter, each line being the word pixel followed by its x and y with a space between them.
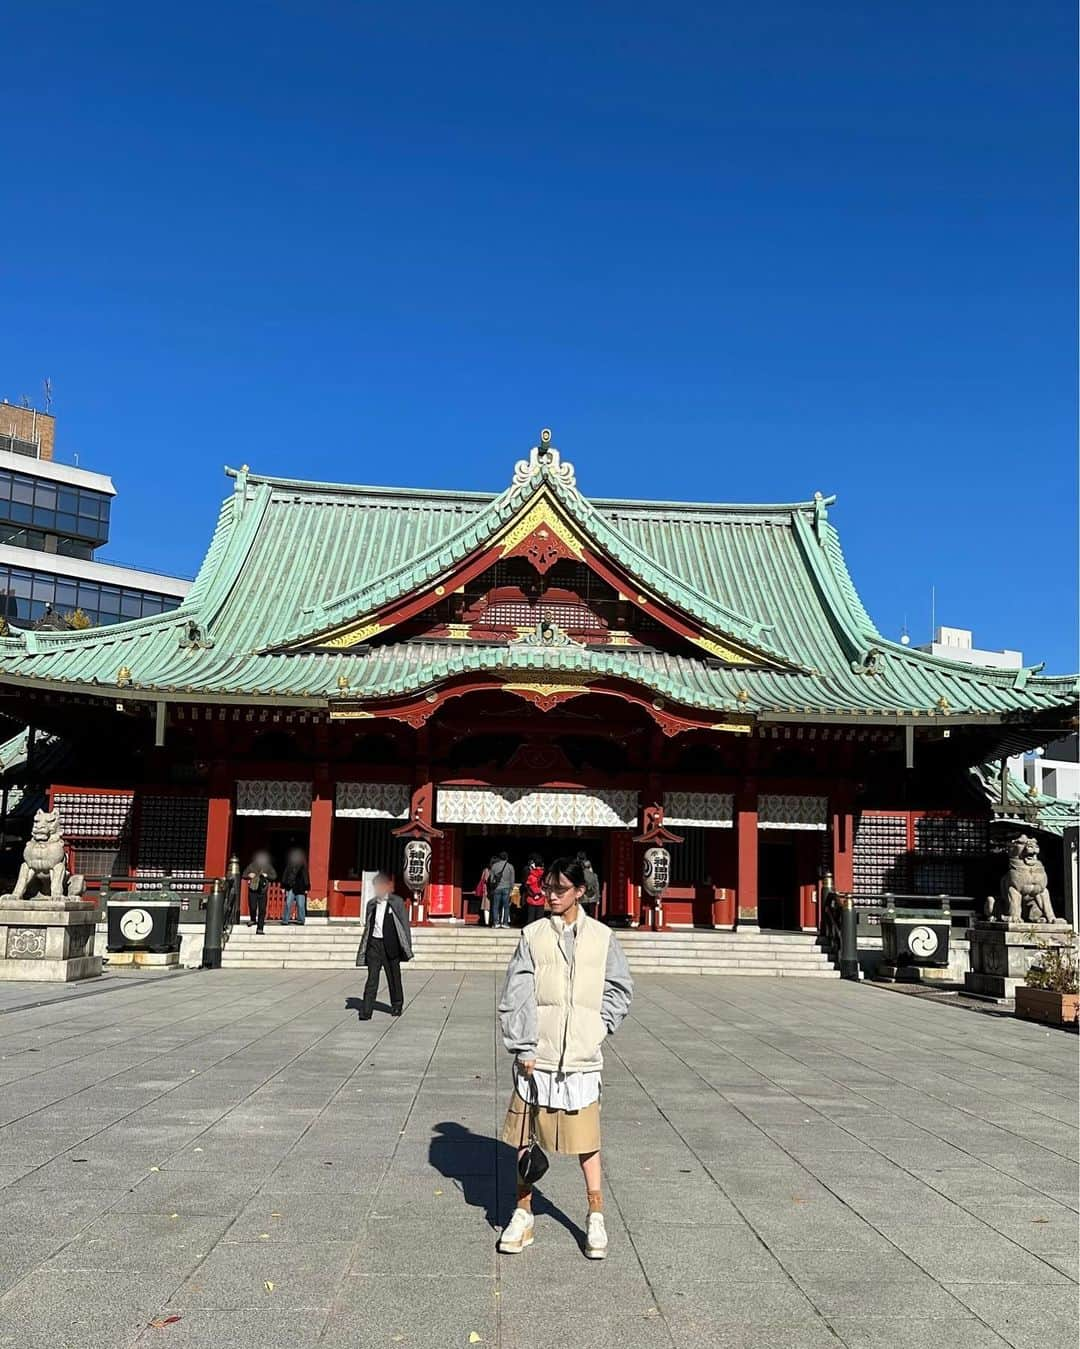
pixel 1043 1004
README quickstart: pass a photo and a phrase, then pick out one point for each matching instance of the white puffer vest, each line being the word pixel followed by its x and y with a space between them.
pixel 570 1029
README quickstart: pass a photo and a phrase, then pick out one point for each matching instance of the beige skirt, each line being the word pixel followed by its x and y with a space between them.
pixel 572 1131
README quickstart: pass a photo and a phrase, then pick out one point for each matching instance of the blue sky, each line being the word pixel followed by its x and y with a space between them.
pixel 729 252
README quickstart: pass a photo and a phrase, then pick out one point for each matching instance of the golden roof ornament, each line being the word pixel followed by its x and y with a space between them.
pixel 943 704
pixel 742 696
pixel 123 676
pixel 342 683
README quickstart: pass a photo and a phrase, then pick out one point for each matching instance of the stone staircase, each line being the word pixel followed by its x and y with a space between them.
pixel 329 946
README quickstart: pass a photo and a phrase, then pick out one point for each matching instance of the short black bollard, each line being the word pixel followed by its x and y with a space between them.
pixel 849 938
pixel 215 923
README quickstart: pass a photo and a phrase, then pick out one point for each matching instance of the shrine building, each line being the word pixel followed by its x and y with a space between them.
pixel 534 671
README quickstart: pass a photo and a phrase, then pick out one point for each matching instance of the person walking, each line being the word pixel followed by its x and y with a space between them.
pixel 501 879
pixel 297 883
pixel 591 898
pixel 386 943
pixel 533 886
pixel 260 875
pixel 567 988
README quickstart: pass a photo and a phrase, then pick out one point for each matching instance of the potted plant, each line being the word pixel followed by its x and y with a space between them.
pixel 1050 991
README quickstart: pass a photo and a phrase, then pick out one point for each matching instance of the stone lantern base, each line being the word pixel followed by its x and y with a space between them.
pixel 1003 952
pixel 48 939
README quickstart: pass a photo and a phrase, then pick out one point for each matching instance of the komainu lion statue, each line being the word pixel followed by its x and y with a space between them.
pixel 44 870
pixel 1024 885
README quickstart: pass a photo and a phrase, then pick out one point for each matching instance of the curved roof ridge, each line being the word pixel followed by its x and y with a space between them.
pixel 315 487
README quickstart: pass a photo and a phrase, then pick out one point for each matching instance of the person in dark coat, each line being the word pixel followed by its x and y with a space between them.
pixel 259 876
pixel 297 883
pixel 387 942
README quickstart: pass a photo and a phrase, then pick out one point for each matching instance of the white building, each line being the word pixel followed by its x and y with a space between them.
pixel 956 644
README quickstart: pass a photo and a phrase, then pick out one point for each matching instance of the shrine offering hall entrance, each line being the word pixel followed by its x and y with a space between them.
pixel 480 843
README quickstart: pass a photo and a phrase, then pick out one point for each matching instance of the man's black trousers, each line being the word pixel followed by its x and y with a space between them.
pixel 257 907
pixel 376 958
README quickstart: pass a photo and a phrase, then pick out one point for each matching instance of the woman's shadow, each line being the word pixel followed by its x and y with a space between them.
pixel 485 1170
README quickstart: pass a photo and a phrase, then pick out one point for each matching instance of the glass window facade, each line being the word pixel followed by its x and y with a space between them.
pixel 54 508
pixel 26 594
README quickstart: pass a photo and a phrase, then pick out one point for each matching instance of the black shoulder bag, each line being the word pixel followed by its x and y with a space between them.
pixel 533 1161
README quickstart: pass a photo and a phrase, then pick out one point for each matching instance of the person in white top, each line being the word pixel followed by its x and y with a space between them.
pixel 567 988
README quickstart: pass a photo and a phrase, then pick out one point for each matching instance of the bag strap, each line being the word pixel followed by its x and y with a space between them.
pixel 529 1114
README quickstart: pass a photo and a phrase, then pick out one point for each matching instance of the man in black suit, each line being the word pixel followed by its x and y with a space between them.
pixel 387 941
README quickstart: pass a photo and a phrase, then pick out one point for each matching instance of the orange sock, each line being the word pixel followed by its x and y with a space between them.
pixel 596 1200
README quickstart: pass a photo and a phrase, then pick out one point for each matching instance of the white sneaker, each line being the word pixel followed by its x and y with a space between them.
pixel 518 1233
pixel 595 1237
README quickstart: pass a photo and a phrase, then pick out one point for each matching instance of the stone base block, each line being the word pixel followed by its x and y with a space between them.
pixel 143 959
pixel 48 940
pixel 916 974
pixel 1003 952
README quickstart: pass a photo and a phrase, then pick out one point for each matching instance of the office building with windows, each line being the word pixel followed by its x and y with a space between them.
pixel 53 519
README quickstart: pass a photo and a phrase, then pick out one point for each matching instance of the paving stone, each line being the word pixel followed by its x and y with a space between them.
pixel 246 1085
pixel 1028 1318
pixel 237 1277
pixel 968 1251
pixel 201 1328
pixel 901 1332
pixel 427 1313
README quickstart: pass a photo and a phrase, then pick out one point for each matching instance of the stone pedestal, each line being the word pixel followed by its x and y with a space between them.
pixel 48 939
pixel 1003 952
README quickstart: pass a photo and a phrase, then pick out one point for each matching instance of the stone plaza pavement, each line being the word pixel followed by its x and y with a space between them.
pixel 789 1163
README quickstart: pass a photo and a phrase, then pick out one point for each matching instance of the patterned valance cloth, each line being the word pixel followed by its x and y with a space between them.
pixel 793 812
pixel 273 798
pixel 372 801
pixel 702 810
pixel 526 806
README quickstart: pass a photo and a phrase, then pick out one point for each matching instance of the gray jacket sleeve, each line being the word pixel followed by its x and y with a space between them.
pixel 618 987
pixel 517 1003
pixel 401 917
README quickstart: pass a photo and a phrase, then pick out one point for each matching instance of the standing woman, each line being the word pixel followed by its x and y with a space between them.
pixel 567 988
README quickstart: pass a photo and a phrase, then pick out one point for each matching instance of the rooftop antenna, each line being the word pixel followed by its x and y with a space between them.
pixel 905 636
pixel 933 613
pixel 24 401
pixel 46 385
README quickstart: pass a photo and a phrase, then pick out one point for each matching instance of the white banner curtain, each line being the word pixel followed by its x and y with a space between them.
pixel 273 798
pixel 371 801
pixel 529 806
pixel 699 810
pixel 793 812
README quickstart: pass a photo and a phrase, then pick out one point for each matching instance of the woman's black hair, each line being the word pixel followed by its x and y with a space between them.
pixel 569 867
pixel 535 860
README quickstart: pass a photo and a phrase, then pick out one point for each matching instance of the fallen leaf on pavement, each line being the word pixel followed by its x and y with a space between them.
pixel 160 1321
pixel 474 1338
pixel 268 1286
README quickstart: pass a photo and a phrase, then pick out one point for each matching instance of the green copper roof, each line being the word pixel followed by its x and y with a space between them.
pixel 291 558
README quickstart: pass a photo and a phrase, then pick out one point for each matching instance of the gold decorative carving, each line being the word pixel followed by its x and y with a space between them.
pixel 734 727
pixel 352 636
pixel 566 684
pixel 338 713
pixel 722 652
pixel 457 631
pixel 540 514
